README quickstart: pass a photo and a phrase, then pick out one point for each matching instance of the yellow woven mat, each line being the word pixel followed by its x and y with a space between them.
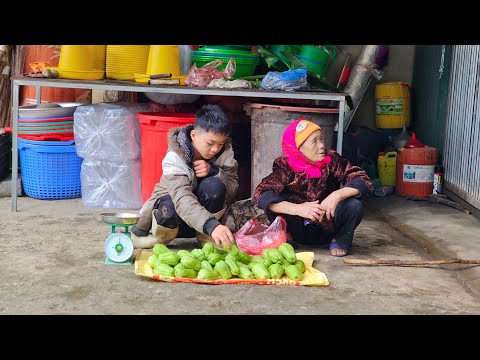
pixel 311 276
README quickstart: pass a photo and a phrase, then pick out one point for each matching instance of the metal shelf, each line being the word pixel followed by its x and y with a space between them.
pixel 137 87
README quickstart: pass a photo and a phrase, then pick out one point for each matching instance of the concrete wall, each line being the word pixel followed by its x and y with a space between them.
pixel 399 68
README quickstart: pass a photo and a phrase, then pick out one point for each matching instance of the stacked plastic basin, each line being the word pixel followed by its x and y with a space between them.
pixel 317 58
pixel 108 138
pixel 49 123
pixel 46 129
pixel 48 160
pixel 124 61
pixel 246 61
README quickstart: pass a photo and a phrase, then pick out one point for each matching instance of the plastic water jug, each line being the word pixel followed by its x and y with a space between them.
pixel 386 166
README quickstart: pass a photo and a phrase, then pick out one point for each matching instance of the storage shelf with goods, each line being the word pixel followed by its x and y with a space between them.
pixel 119 85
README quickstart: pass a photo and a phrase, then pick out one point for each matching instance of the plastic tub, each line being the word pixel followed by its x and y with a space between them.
pixel 242 68
pixel 65 136
pixel 163 59
pixel 318 60
pixel 154 127
pixel 82 58
pixel 31 112
pixel 220 48
pixel 294 49
pixel 226 52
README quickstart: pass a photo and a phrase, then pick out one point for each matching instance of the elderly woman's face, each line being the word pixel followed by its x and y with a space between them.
pixel 314 147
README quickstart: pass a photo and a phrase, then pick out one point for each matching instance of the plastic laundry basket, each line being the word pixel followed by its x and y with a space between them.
pixel 154 127
pixel 50 169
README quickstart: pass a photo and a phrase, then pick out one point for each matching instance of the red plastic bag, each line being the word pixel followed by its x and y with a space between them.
pixel 254 237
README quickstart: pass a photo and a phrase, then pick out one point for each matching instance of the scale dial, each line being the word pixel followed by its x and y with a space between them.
pixel 118 247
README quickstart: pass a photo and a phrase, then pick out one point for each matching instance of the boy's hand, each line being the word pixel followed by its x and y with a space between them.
pixel 201 168
pixel 222 236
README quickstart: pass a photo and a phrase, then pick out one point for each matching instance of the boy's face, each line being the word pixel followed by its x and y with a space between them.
pixel 207 143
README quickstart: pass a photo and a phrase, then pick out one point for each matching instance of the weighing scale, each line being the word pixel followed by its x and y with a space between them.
pixel 118 245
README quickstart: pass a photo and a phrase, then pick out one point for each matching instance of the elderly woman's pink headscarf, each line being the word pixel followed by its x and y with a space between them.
pixel 297 161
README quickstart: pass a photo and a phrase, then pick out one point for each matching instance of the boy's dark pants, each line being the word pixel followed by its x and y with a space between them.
pixel 211 194
pixel 348 214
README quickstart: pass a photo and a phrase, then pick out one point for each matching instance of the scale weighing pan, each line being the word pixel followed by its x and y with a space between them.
pixel 120 218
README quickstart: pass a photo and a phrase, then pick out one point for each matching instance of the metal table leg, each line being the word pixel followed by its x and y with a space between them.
pixel 341 116
pixel 38 93
pixel 15 102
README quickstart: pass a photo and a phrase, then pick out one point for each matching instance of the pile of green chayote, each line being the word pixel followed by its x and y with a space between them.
pixel 210 263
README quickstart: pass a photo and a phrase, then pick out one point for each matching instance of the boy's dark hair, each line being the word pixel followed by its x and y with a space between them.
pixel 212 118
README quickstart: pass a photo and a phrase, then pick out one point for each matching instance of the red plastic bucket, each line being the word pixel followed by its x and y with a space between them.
pixel 154 127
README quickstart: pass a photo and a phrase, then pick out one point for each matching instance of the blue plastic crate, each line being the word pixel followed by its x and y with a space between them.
pixel 50 169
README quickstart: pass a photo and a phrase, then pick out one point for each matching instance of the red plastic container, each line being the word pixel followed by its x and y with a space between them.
pixel 154 127
pixel 415 168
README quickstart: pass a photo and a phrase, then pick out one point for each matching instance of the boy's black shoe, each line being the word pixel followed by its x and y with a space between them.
pixel 139 232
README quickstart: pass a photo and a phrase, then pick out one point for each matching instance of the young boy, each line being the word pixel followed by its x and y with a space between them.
pixel 199 179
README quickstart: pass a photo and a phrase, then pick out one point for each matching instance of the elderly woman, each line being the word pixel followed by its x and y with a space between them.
pixel 317 191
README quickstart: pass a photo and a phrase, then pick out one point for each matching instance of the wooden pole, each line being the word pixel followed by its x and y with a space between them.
pixel 409 263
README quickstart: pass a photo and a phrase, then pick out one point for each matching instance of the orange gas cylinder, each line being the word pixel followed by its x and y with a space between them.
pixel 415 169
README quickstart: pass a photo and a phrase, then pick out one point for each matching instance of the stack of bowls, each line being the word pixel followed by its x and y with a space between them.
pixel 231 47
pixel 52 123
pixel 246 61
pixel 81 62
pixel 43 129
pixel 123 61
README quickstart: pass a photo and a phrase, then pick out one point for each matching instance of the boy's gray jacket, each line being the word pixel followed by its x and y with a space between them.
pixel 179 181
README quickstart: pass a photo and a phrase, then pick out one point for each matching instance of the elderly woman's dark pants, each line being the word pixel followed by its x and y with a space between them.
pixel 348 214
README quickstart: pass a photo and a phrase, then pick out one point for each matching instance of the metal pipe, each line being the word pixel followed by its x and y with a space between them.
pixel 341 114
pixel 15 102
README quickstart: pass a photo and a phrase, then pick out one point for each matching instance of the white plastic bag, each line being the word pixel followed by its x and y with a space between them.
pixel 109 184
pixel 108 131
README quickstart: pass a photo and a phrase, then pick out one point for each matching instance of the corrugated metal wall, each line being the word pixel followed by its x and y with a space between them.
pixel 430 93
pixel 462 134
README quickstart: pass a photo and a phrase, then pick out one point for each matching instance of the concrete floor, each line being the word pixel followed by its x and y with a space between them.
pixel 53 263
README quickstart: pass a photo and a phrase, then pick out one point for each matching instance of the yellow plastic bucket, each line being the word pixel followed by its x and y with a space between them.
pixel 387 168
pixel 163 59
pixel 393 105
pixel 82 57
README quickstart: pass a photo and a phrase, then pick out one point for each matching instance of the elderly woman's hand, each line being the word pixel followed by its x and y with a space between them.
pixel 310 210
pixel 329 204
